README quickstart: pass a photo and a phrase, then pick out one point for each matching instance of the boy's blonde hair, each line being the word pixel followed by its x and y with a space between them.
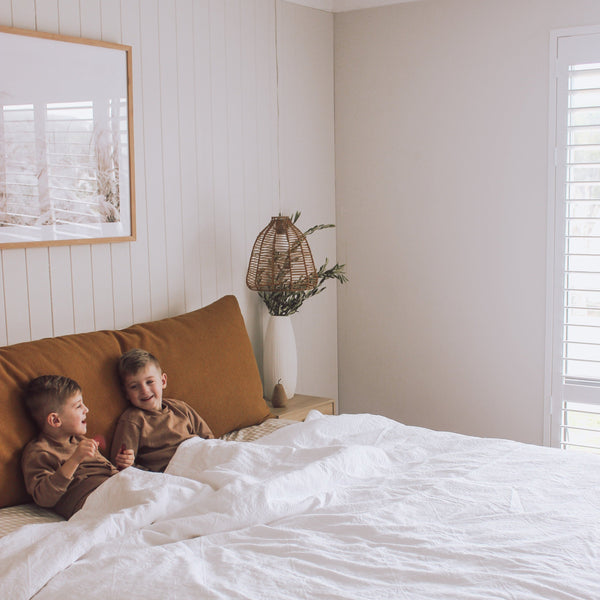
pixel 135 360
pixel 47 394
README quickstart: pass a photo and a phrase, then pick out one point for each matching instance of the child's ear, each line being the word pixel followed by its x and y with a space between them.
pixel 53 420
pixel 164 380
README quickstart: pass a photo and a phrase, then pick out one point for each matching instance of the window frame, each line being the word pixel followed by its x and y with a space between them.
pixel 555 255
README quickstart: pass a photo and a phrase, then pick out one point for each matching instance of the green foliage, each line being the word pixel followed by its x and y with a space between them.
pixel 283 303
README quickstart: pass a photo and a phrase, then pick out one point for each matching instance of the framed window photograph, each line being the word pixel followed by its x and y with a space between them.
pixel 66 140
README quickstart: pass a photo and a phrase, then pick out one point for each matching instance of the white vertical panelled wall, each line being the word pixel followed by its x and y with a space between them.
pixel 206 147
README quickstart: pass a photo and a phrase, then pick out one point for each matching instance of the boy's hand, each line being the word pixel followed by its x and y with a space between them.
pixel 124 459
pixel 85 449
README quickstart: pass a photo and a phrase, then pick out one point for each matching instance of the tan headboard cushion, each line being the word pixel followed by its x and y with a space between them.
pixel 206 354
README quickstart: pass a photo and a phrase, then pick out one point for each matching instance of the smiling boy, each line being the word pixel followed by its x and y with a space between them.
pixel 61 467
pixel 150 430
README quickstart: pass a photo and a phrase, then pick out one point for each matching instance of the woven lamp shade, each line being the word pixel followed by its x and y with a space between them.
pixel 281 259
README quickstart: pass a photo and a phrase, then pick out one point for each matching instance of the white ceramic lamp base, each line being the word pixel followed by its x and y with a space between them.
pixel 280 359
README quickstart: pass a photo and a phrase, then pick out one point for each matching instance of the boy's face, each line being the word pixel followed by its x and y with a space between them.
pixel 73 416
pixel 144 389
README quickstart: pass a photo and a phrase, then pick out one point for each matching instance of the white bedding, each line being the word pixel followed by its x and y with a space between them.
pixel 14 517
pixel 350 506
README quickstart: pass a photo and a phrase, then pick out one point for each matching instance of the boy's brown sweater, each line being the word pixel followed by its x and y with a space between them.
pixel 41 460
pixel 154 435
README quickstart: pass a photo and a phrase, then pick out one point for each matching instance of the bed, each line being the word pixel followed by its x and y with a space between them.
pixel 346 506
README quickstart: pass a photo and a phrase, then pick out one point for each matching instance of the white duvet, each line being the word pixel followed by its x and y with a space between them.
pixel 351 506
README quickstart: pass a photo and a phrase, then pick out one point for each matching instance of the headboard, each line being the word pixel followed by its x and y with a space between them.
pixel 206 353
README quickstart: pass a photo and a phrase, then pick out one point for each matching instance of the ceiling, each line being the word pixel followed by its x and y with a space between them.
pixel 346 5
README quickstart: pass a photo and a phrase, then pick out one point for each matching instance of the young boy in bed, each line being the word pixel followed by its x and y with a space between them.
pixel 149 432
pixel 61 467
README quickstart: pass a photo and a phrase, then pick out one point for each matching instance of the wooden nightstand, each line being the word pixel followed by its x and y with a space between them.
pixel 300 405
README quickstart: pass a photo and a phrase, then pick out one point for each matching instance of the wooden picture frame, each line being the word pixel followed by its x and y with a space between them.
pixel 66 140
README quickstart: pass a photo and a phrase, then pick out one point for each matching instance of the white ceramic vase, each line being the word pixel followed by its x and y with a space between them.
pixel 280 359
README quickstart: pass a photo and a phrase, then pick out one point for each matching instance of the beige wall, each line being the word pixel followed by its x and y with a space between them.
pixel 305 42
pixel 441 183
pixel 207 155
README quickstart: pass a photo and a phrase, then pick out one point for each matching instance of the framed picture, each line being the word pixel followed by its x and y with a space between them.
pixel 66 140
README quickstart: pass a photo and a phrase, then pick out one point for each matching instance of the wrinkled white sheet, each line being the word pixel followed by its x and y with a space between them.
pixel 351 506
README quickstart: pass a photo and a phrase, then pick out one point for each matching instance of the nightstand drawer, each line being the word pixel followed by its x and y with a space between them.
pixel 300 405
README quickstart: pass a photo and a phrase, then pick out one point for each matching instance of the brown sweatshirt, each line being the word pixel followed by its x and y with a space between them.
pixel 154 435
pixel 41 461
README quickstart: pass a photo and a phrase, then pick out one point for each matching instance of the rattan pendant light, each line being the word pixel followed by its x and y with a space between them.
pixel 281 259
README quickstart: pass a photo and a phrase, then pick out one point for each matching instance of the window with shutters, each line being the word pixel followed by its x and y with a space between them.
pixel 60 162
pixel 573 361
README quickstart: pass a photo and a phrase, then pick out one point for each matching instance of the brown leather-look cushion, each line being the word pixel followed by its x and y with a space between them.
pixel 206 354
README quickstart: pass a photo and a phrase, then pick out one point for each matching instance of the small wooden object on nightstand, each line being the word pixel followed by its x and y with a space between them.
pixel 300 405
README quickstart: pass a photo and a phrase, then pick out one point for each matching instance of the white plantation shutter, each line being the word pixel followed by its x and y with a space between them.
pixel 19 167
pixel 71 164
pixel 574 305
